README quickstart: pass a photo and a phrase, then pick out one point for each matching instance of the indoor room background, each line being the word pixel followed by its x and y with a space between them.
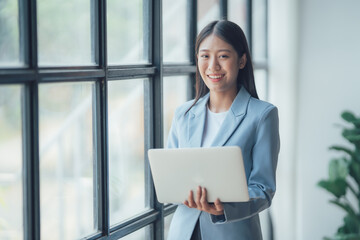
pixel 87 86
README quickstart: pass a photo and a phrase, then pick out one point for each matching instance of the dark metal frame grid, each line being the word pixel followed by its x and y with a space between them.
pixel 32 75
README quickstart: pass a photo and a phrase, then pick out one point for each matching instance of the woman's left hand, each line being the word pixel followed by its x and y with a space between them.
pixel 202 204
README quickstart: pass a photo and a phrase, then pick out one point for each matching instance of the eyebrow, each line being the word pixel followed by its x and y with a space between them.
pixel 221 50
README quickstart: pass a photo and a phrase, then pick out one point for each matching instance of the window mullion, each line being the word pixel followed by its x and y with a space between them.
pixel 31 179
pixel 157 83
pixel 102 31
pixel 102 171
pixel 102 122
pixel 30 123
pixel 223 9
pixel 249 23
pixel 192 15
pixel 192 11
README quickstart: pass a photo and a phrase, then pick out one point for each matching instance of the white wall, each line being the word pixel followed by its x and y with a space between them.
pixel 315 62
pixel 329 82
pixel 283 40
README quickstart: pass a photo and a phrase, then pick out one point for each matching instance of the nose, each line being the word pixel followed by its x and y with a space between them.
pixel 214 64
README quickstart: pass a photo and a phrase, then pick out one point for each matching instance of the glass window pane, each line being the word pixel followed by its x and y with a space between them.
pixel 167 221
pixel 208 10
pixel 176 91
pixel 126 148
pixel 64 33
pixel 237 13
pixel 67 159
pixel 11 189
pixel 128 32
pixel 141 234
pixel 176 39
pixel 259 30
pixel 261 83
pixel 9 34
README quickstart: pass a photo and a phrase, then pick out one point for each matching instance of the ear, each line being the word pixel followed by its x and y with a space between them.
pixel 242 62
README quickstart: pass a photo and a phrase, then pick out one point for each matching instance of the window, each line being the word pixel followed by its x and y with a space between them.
pixel 128 21
pixel 10 53
pixel 126 149
pixel 86 88
pixel 67 159
pixel 11 164
pixel 176 44
pixel 208 10
pixel 65 33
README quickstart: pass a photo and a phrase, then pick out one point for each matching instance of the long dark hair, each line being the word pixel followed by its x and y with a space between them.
pixel 232 34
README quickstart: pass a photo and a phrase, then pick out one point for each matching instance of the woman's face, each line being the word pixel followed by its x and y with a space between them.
pixel 219 64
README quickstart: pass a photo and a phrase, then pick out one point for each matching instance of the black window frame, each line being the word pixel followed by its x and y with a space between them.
pixel 31 75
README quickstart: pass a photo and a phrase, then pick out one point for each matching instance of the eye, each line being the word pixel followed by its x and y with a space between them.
pixel 223 56
pixel 204 56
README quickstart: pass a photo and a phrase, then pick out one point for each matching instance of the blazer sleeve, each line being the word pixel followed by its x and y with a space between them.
pixel 173 140
pixel 262 179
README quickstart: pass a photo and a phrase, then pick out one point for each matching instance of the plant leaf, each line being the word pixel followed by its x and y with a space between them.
pixel 337 187
pixel 348 209
pixel 354 171
pixel 338 168
pixel 343 149
pixel 352 135
pixel 342 229
pixel 351 236
pixel 352 224
pixel 348 116
pixel 357 155
pixel 357 123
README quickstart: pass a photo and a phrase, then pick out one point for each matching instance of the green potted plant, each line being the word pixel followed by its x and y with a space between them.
pixel 344 176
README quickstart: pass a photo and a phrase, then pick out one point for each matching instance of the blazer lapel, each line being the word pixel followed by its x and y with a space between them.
pixel 196 122
pixel 234 117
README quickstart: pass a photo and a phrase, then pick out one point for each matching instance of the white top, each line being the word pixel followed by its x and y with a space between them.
pixel 213 122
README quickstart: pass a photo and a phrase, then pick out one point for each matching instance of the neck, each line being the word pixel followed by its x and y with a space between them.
pixel 221 102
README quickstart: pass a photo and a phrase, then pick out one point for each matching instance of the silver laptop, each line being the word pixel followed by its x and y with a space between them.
pixel 219 169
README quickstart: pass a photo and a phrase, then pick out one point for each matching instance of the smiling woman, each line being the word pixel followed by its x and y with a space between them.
pixel 219 64
pixel 226 112
pixel 225 37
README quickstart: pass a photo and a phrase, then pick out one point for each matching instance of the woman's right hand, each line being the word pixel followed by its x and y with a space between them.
pixel 202 204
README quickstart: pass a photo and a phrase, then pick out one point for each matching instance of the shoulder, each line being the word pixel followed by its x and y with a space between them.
pixel 185 109
pixel 260 109
pixel 260 105
pixel 252 107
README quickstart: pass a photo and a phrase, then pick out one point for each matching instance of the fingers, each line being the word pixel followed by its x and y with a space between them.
pixel 218 205
pixel 216 208
pixel 198 198
pixel 203 201
pixel 202 204
pixel 190 200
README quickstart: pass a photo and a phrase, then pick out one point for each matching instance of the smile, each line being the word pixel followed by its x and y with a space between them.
pixel 216 77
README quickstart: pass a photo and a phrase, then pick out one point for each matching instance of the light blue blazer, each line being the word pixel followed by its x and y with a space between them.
pixel 252 125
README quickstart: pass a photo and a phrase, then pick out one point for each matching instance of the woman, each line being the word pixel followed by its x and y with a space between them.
pixel 226 112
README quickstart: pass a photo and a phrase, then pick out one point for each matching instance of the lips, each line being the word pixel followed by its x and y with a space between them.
pixel 215 77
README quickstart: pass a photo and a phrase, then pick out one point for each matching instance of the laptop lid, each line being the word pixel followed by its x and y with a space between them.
pixel 219 169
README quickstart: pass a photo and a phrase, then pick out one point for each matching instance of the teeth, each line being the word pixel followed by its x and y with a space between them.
pixel 215 76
